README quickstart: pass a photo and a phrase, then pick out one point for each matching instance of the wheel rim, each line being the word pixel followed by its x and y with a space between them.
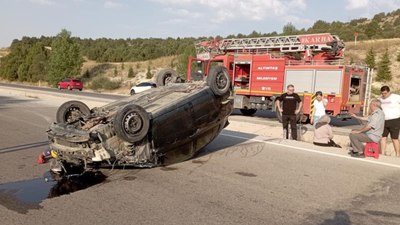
pixel 168 79
pixel 221 80
pixel 133 123
pixel 72 114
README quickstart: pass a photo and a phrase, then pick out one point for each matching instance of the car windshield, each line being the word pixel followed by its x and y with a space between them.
pixel 143 84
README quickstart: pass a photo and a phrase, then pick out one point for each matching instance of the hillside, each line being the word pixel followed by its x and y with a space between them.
pixel 356 52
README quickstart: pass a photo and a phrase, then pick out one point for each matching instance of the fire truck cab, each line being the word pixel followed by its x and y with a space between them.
pixel 261 68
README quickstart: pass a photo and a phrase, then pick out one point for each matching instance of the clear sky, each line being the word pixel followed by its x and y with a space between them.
pixel 173 18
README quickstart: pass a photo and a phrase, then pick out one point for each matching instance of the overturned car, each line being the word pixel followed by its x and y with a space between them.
pixel 160 126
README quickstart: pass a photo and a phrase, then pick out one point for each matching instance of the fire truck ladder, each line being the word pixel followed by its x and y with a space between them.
pixel 284 44
pixel 367 98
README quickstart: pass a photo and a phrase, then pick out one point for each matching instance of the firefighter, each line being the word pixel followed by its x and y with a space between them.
pixel 391 108
pixel 291 105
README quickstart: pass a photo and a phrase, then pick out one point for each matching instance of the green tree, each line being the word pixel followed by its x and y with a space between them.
pixel 65 58
pixel 289 29
pixel 183 60
pixel 370 58
pixel 373 29
pixel 130 72
pixel 384 73
pixel 148 74
pixel 122 66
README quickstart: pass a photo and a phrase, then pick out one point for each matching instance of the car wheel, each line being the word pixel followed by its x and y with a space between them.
pixel 71 111
pixel 219 81
pixel 69 88
pixel 248 112
pixel 132 92
pixel 131 123
pixel 166 76
pixel 80 89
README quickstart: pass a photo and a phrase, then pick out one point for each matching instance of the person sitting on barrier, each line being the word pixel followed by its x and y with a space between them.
pixel 371 132
pixel 323 134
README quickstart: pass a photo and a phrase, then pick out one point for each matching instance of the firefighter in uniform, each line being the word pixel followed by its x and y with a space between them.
pixel 291 105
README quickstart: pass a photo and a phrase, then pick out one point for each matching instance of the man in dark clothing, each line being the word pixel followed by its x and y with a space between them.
pixel 291 105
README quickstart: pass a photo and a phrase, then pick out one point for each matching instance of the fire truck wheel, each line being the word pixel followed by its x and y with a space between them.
pixel 71 111
pixel 166 76
pixel 248 112
pixel 218 80
pixel 131 123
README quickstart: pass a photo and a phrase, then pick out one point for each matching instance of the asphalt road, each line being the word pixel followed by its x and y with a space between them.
pixel 63 91
pixel 237 179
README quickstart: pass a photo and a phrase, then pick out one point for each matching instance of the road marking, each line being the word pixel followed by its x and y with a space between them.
pixel 316 151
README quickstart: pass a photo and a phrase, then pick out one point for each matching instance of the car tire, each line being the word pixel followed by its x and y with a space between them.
pixel 65 111
pixel 166 76
pixel 80 89
pixel 219 81
pixel 133 92
pixel 248 112
pixel 131 123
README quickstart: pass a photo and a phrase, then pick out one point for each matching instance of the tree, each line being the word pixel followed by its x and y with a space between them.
pixel 65 58
pixel 370 58
pixel 384 73
pixel 373 29
pixel 289 29
pixel 183 60
pixel 148 74
pixel 130 72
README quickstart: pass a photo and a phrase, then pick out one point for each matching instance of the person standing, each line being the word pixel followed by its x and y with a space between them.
pixel 319 108
pixel 391 108
pixel 291 105
pixel 371 132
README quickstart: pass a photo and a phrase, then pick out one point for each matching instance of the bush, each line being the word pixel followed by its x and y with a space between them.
pixel 105 83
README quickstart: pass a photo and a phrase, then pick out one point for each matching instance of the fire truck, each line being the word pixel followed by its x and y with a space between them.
pixel 261 68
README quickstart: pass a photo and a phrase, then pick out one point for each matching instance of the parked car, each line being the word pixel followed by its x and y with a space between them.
pixel 164 126
pixel 70 84
pixel 142 87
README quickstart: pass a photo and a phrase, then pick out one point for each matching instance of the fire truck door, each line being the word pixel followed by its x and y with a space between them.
pixel 328 81
pixel 303 80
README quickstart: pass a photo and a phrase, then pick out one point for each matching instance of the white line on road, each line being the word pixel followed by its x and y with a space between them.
pixel 316 151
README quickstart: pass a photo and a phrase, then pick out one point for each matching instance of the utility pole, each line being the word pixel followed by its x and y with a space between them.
pixel 355 38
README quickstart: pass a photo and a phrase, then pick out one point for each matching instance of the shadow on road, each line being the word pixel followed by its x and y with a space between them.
pixel 340 218
pixel 4 101
pixel 23 147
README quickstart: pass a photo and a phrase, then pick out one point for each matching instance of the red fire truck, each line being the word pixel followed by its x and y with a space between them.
pixel 261 68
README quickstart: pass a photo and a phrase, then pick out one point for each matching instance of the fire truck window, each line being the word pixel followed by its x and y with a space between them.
pixel 231 66
pixel 354 95
pixel 197 67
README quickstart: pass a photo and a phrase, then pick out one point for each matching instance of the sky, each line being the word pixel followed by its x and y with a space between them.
pixel 173 18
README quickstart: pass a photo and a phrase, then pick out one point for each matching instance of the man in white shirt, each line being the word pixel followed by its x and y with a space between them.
pixel 391 108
